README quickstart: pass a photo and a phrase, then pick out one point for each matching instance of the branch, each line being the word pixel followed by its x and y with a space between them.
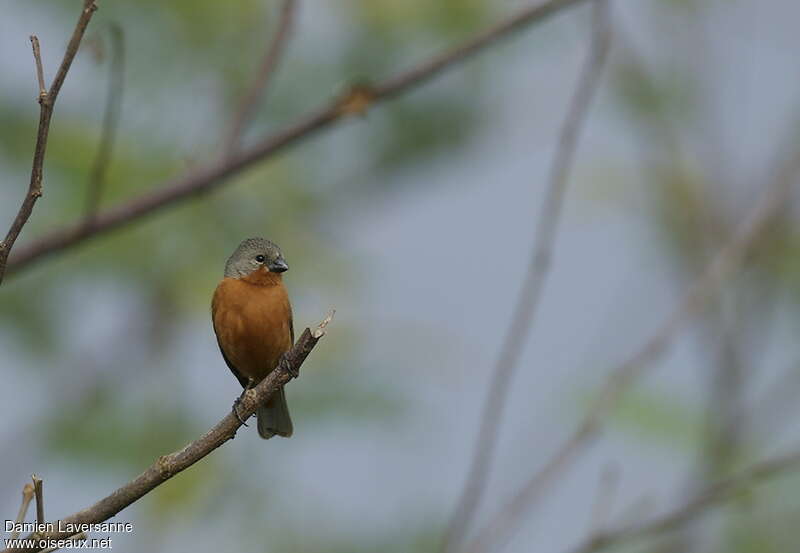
pixel 722 491
pixel 39 493
pixel 726 261
pixel 37 58
pixel 263 78
pixel 27 496
pixel 167 466
pixel 206 179
pixel 47 100
pixel 111 113
pixel 538 269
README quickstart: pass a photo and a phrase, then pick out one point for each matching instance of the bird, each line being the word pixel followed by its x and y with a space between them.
pixel 252 319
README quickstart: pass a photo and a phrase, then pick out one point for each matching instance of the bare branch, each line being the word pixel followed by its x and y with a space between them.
pixel 47 100
pixel 27 496
pixel 531 292
pixel 39 493
pixel 263 78
pixel 720 492
pixel 37 58
pixel 167 466
pixel 726 261
pixel 111 113
pixel 211 177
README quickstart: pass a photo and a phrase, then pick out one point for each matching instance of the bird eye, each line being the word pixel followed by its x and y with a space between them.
pixel 260 258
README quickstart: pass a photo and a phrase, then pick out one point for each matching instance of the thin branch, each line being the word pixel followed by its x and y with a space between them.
pixel 263 78
pixel 213 176
pixel 37 57
pixel 538 269
pixel 725 262
pixel 111 113
pixel 167 466
pixel 720 492
pixel 47 100
pixel 27 496
pixel 39 493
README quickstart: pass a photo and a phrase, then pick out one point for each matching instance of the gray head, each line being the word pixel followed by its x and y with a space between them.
pixel 251 255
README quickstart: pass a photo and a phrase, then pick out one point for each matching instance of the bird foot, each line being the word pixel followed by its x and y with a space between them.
pixel 238 401
pixel 236 411
pixel 294 373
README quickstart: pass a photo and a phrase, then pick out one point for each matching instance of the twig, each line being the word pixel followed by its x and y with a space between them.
pixel 77 537
pixel 111 113
pixel 27 496
pixel 264 76
pixel 203 180
pixel 167 466
pixel 727 259
pixel 37 57
pixel 721 491
pixel 47 100
pixel 531 292
pixel 39 493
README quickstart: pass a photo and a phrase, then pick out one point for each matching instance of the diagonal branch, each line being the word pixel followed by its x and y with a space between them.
pixel 720 492
pixel 725 262
pixel 538 269
pixel 213 176
pixel 167 466
pixel 47 100
pixel 263 78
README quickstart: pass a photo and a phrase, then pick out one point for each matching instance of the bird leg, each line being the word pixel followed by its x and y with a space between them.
pixel 250 384
pixel 294 373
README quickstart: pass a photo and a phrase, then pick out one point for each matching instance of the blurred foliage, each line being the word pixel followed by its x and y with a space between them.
pixel 398 18
pixel 188 63
pixel 694 207
pixel 661 419
pixel 101 432
pixel 423 538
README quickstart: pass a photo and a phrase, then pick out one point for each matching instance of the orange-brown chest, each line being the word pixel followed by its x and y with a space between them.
pixel 252 319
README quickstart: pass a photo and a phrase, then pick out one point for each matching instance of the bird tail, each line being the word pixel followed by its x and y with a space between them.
pixel 273 417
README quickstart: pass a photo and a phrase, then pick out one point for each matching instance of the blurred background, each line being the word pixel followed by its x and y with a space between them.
pixel 415 222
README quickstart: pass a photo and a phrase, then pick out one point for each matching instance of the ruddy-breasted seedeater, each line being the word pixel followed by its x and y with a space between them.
pixel 252 319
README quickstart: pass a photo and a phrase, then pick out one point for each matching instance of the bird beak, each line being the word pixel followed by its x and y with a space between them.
pixel 278 266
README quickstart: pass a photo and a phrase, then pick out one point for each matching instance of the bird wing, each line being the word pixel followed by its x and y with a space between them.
pixel 242 380
pixel 291 324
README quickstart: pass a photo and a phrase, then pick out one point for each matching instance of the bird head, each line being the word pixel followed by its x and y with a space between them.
pixel 253 254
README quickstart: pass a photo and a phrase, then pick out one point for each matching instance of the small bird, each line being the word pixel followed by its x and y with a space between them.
pixel 252 319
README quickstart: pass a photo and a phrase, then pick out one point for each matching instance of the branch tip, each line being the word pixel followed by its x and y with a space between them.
pixel 27 490
pixel 27 496
pixel 319 332
pixel 37 57
pixel 47 99
pixel 38 492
